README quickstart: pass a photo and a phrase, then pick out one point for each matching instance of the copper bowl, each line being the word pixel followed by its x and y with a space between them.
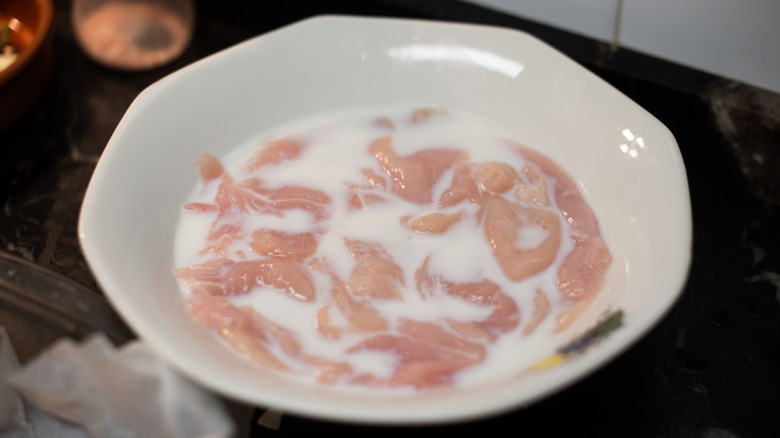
pixel 23 82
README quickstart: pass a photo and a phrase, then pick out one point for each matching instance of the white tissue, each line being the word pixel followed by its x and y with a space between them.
pixel 11 404
pixel 128 392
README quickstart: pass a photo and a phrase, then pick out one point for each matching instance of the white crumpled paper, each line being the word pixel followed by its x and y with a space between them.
pixel 94 390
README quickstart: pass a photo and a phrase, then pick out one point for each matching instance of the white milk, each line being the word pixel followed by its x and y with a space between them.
pixel 335 157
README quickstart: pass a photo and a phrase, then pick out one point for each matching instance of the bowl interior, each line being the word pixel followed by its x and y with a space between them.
pixel 626 161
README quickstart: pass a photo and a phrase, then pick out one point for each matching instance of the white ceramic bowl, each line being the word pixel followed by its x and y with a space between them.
pixel 626 161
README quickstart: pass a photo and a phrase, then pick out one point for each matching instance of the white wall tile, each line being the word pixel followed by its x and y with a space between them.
pixel 738 39
pixel 592 18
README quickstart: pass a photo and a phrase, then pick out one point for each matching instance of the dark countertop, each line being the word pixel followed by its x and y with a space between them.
pixel 711 368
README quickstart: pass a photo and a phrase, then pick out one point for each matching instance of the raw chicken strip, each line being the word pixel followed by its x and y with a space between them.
pixel 432 223
pixel 428 356
pixel 223 277
pixel 276 151
pixel 503 222
pixel 375 274
pixel 462 188
pixel 251 333
pixel 295 246
pixel 414 176
pixel 504 317
pixel 583 272
pixel 496 178
pixel 360 314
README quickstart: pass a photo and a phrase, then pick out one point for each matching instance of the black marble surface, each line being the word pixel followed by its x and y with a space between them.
pixel 711 368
